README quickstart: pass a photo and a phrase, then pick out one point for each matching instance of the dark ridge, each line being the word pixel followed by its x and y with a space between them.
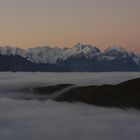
pixel 50 89
pixel 82 64
pixel 40 93
pixel 17 63
pixel 124 95
pixel 78 63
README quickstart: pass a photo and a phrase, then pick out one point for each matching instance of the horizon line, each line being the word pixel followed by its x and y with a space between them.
pixel 54 46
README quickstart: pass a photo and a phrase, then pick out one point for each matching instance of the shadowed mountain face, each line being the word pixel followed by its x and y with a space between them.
pixel 80 58
pixel 17 63
pixel 82 64
pixel 14 63
pixel 124 95
pixel 94 65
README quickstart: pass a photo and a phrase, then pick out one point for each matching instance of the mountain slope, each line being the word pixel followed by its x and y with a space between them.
pixel 112 59
pixel 79 58
pixel 17 63
pixel 50 55
pixel 124 95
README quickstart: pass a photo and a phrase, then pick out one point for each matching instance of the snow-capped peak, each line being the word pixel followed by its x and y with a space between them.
pixel 7 50
pixel 44 54
pixel 80 49
pixel 86 48
pixel 118 51
pixel 50 55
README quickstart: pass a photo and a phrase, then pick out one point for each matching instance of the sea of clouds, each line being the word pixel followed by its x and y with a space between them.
pixel 12 81
pixel 34 120
pixel 50 120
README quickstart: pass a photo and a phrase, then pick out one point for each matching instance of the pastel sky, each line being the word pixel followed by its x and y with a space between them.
pixel 30 23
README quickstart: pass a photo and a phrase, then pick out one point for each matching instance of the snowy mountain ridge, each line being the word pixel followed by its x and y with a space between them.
pixel 49 55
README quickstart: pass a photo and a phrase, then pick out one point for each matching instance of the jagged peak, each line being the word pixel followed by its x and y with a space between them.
pixel 115 49
pixel 9 50
pixel 47 54
pixel 82 46
pixel 86 48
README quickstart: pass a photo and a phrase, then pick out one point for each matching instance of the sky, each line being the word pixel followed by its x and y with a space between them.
pixel 63 23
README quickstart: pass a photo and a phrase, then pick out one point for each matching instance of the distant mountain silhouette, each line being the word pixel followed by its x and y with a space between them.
pixel 124 95
pixel 17 63
pixel 80 58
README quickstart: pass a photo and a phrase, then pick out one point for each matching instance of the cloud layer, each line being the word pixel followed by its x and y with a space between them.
pixel 35 120
pixel 14 81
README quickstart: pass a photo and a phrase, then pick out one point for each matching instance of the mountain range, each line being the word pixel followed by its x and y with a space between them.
pixel 81 57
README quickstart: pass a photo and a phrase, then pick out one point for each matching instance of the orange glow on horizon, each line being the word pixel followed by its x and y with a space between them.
pixel 62 23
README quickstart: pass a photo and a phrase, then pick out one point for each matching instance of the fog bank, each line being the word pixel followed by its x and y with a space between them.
pixel 34 120
pixel 20 80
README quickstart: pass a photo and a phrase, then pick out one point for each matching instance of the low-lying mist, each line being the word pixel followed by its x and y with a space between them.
pixel 20 80
pixel 34 120
pixel 50 120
